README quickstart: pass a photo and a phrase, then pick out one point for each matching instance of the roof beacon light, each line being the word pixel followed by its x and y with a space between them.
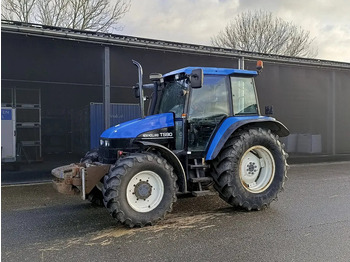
pixel 259 65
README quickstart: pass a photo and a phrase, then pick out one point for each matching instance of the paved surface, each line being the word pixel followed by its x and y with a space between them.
pixel 310 222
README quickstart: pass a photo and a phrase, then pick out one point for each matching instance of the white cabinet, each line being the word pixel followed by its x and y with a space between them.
pixel 8 134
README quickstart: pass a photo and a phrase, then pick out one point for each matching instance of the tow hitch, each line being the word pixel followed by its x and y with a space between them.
pixel 81 178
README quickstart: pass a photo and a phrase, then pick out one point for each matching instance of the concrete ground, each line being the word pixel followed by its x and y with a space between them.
pixel 309 222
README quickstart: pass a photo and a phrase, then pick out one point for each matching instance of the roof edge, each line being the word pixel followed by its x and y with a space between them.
pixel 124 40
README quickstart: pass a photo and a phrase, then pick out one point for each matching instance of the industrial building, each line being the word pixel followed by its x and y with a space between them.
pixel 60 80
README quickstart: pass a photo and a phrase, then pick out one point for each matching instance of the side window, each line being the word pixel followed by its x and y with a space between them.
pixel 243 96
pixel 210 100
pixel 207 107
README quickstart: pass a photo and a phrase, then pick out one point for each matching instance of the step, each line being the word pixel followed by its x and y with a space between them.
pixel 201 179
pixel 198 166
pixel 203 193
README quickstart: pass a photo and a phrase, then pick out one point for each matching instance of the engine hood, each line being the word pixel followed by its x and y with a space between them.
pixel 133 128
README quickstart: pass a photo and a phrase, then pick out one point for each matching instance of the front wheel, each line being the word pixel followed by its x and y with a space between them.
pixel 140 189
pixel 251 169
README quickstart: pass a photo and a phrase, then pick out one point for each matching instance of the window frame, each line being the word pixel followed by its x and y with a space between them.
pixel 255 95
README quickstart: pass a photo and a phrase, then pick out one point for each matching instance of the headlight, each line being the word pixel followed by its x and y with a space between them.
pixel 105 142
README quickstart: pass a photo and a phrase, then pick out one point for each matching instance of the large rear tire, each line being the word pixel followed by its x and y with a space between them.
pixel 251 169
pixel 140 189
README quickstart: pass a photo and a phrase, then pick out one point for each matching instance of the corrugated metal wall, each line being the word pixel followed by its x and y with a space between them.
pixel 119 113
pixel 87 123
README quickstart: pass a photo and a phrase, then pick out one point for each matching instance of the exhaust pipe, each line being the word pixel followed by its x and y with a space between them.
pixel 140 72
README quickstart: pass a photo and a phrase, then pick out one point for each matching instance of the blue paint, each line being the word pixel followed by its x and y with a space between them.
pixel 213 71
pixel 227 124
pixel 6 114
pixel 133 128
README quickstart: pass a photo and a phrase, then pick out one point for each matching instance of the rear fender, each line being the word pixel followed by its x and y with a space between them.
pixel 233 124
pixel 173 160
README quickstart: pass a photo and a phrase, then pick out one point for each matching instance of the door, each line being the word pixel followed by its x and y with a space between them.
pixel 208 105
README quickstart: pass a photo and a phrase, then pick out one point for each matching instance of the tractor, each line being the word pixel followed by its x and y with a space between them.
pixel 203 134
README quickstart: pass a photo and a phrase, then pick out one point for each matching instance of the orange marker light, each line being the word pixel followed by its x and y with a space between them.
pixel 259 65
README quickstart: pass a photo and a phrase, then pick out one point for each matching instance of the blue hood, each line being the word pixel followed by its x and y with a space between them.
pixel 133 128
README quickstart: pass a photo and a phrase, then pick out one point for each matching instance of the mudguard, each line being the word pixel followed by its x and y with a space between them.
pixel 231 124
pixel 173 160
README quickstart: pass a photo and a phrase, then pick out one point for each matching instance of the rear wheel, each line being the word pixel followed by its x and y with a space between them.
pixel 140 189
pixel 251 169
pixel 95 196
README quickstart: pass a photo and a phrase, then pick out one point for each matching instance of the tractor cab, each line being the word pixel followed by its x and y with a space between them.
pixel 199 110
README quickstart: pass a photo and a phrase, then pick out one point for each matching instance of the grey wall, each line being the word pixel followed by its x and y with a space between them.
pixel 313 102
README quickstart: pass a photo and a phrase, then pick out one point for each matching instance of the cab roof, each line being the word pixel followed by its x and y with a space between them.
pixel 213 71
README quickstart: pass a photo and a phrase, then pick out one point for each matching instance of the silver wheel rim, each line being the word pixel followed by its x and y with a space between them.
pixel 145 191
pixel 257 169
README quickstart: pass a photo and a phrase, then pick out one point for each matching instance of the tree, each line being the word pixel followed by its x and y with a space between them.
pixel 96 15
pixel 261 32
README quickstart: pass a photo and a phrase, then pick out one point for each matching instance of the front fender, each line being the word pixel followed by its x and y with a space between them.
pixel 232 124
pixel 173 160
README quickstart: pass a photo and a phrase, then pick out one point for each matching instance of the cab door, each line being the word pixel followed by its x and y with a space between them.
pixel 207 107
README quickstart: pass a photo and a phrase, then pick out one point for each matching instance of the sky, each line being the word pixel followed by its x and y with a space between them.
pixel 196 21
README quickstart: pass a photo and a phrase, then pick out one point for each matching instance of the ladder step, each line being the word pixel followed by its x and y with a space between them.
pixel 203 193
pixel 201 179
pixel 198 166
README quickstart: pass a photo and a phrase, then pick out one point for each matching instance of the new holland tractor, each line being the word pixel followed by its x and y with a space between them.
pixel 204 129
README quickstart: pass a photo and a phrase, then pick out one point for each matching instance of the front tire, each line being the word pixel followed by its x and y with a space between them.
pixel 251 169
pixel 140 189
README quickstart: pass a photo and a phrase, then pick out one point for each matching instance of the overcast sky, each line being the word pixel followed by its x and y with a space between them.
pixel 195 21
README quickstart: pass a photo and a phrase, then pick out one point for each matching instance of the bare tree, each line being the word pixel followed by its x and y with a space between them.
pixel 96 15
pixel 21 10
pixel 262 32
pixel 52 12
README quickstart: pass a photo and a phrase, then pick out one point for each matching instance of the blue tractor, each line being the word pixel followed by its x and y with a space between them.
pixel 204 130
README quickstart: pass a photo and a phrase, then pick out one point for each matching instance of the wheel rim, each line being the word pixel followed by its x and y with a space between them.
pixel 257 169
pixel 145 191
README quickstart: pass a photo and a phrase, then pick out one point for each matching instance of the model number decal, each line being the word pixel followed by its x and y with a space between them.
pixel 166 134
pixel 163 134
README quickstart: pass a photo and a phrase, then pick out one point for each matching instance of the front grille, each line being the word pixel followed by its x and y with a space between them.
pixel 108 155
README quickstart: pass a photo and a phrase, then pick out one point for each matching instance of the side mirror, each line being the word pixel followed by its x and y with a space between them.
pixel 197 78
pixel 136 90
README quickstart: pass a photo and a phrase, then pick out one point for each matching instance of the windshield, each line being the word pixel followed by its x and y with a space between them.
pixel 243 96
pixel 173 98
